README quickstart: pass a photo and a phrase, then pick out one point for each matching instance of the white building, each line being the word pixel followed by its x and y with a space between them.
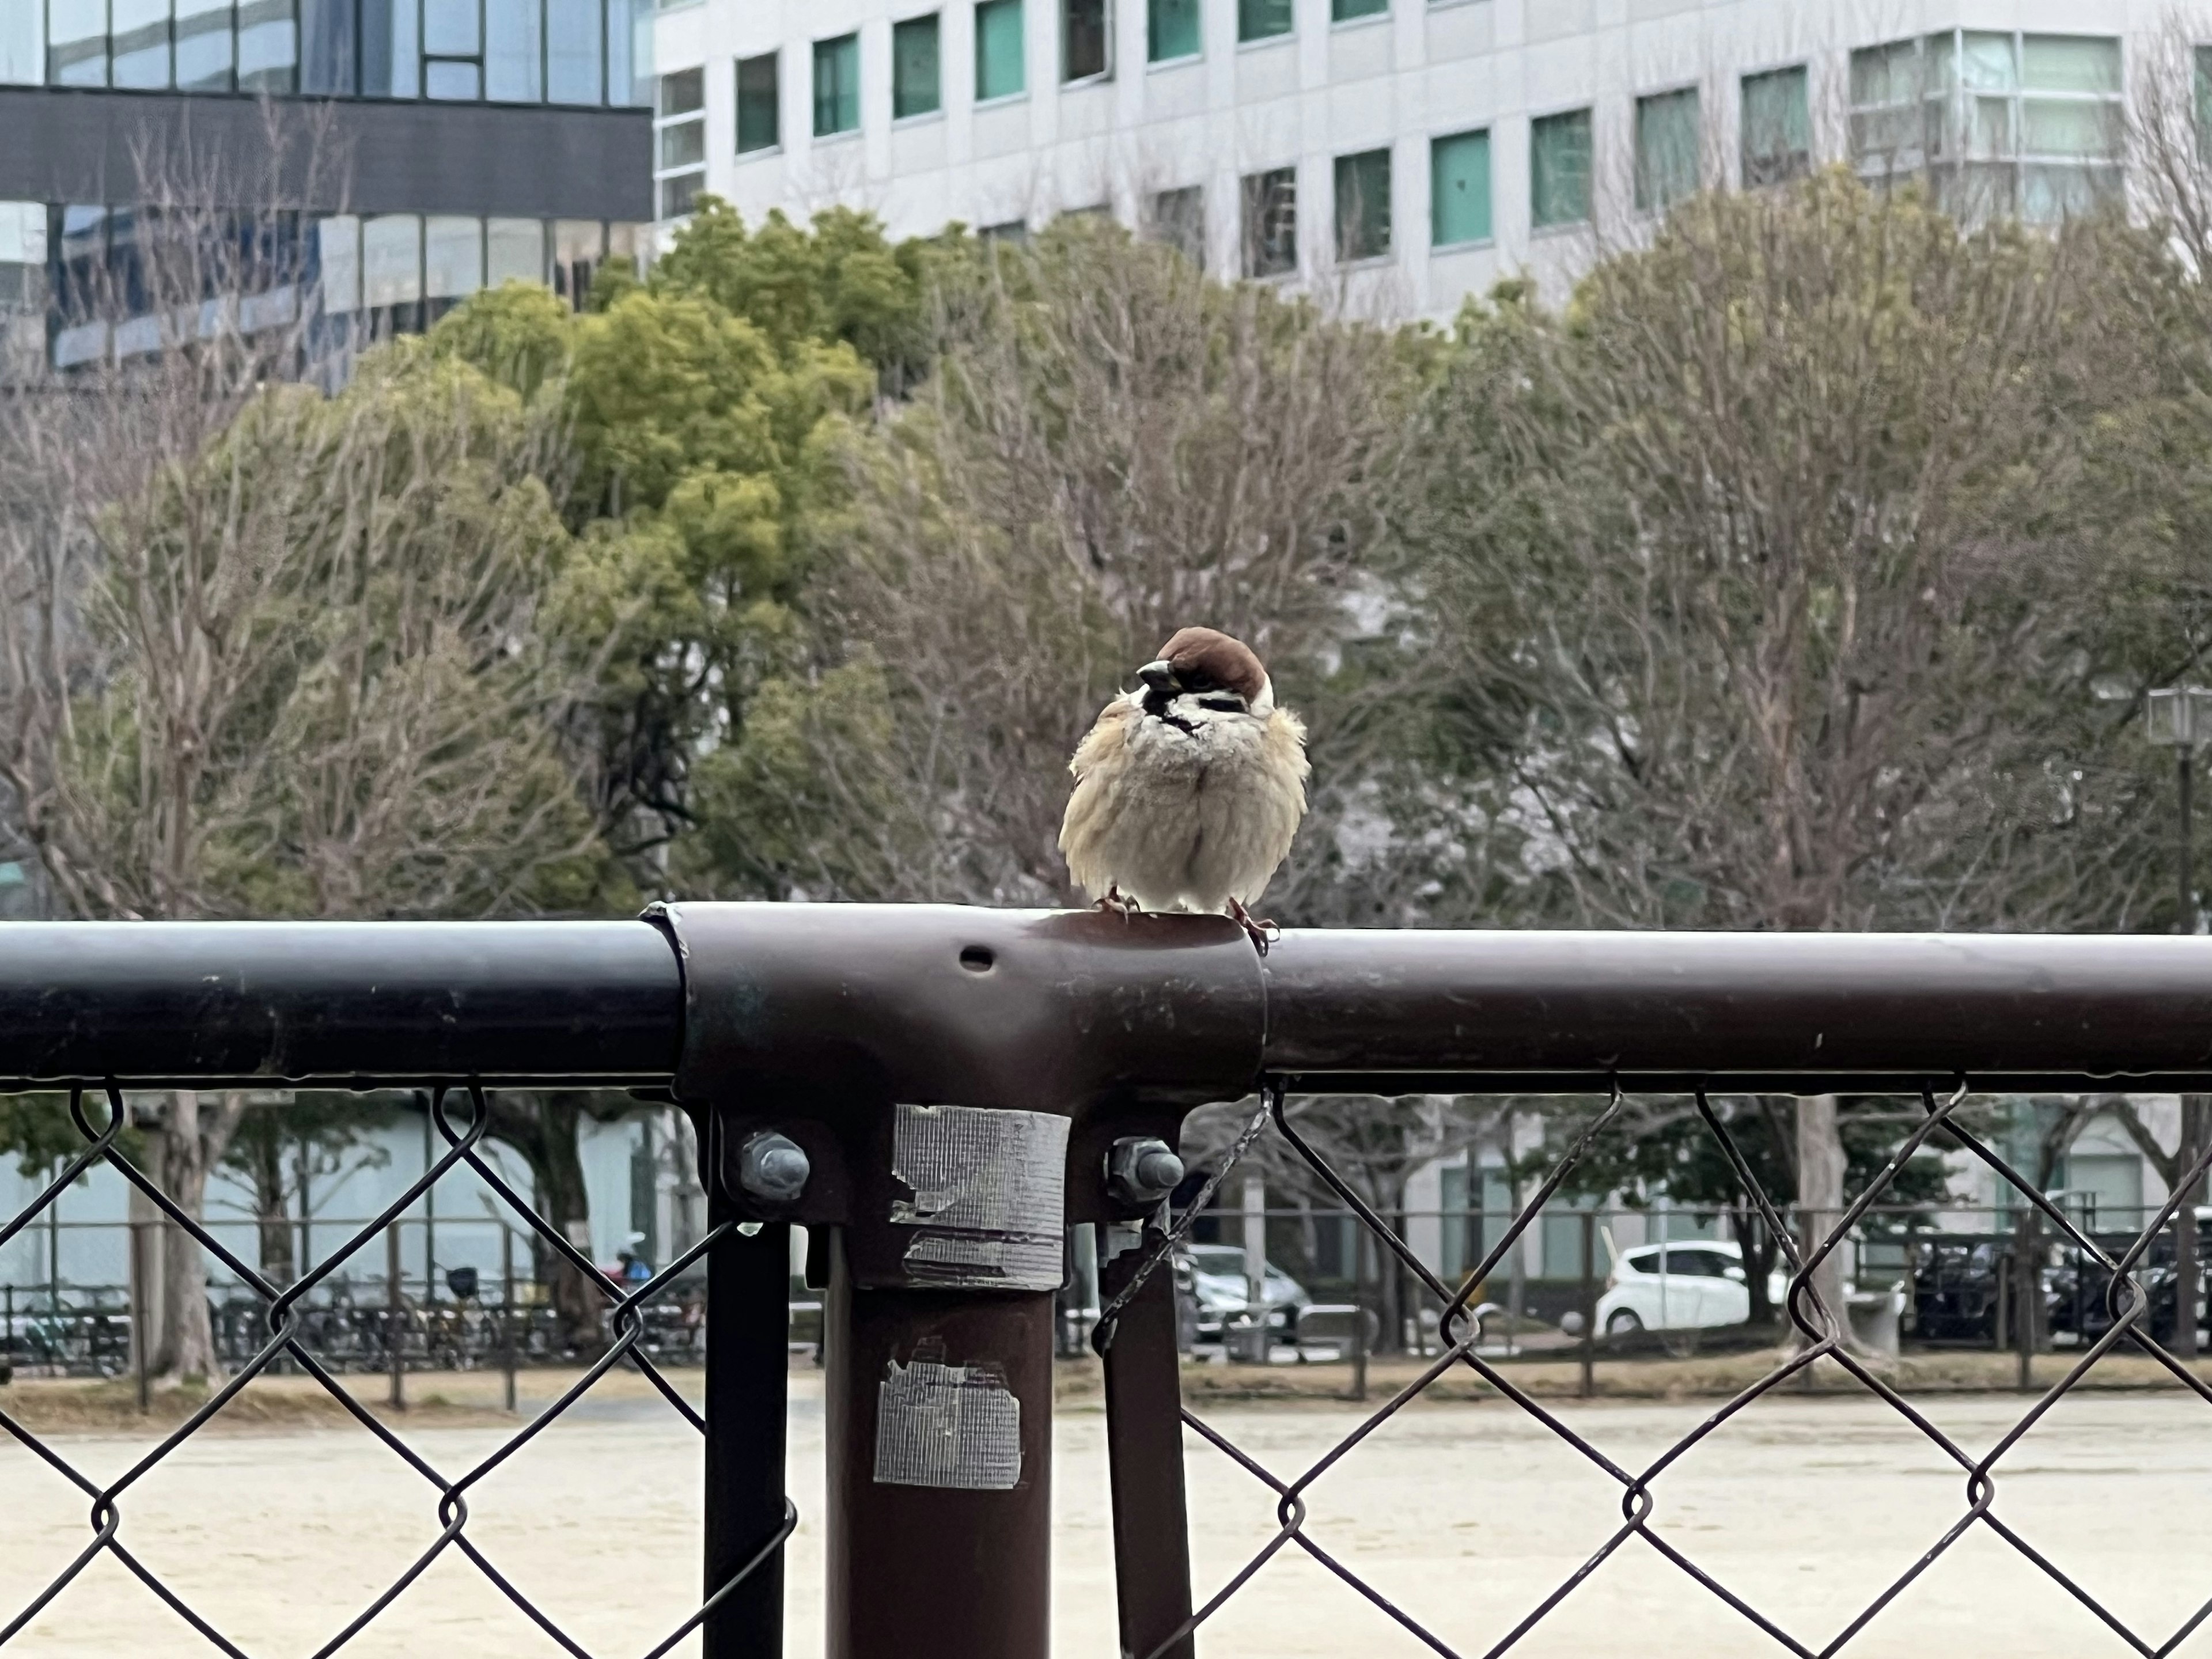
pixel 1402 153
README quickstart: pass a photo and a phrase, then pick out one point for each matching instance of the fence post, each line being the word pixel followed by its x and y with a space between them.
pixel 748 1373
pixel 506 1343
pixel 395 1332
pixel 1589 1303
pixel 141 1333
pixel 1143 1441
pixel 2027 1283
pixel 1359 1314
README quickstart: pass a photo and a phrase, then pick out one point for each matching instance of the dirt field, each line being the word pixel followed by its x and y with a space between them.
pixel 1466 1513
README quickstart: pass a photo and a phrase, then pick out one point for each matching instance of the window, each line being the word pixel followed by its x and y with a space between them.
pixel 1343 11
pixel 999 69
pixel 1271 223
pixel 1362 205
pixel 390 49
pixel 337 243
pixel 1172 30
pixel 453 260
pixel 1177 218
pixel 574 51
pixel 392 260
pixel 139 43
pixel 760 110
pixel 1559 169
pixel 1263 19
pixel 1459 190
pixel 1778 127
pixel 452 50
pixel 679 141
pixel 514 251
pixel 203 46
pixel 1014 233
pixel 2003 123
pixel 514 51
pixel 1665 150
pixel 914 78
pixel 268 47
pixel 836 86
pixel 578 247
pixel 21 27
pixel 1083 46
pixel 77 42
pixel 327 37
pixel 2204 103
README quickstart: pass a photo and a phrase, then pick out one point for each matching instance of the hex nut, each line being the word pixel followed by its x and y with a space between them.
pixel 773 1168
pixel 1141 1171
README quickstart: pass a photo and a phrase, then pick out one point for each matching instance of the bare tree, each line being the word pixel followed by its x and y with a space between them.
pixel 263 651
pixel 1111 447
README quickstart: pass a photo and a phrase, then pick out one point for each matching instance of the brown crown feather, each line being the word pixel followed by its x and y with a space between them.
pixel 1229 663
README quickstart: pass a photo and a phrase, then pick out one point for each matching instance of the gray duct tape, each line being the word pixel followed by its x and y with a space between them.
pixel 947 1425
pixel 989 1209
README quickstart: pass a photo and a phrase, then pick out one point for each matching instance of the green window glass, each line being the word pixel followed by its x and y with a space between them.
pixel 1665 150
pixel 1362 205
pixel 760 116
pixel 915 79
pixel 2204 103
pixel 1778 127
pixel 1459 189
pixel 2070 62
pixel 836 85
pixel 1559 169
pixel 999 67
pixel 1171 30
pixel 1343 11
pixel 1263 19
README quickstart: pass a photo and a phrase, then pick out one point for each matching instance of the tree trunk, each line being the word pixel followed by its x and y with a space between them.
pixel 1761 1248
pixel 544 1128
pixel 1390 1273
pixel 1820 1202
pixel 192 1141
pixel 272 1210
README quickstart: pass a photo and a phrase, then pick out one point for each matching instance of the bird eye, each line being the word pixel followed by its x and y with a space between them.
pixel 1200 681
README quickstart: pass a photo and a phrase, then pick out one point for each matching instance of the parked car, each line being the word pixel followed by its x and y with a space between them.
pixel 2076 1291
pixel 1210 1278
pixel 1686 1285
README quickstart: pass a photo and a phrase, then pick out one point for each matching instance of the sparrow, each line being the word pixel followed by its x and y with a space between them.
pixel 1188 789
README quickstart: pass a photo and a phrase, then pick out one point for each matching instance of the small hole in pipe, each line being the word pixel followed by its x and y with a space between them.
pixel 977 958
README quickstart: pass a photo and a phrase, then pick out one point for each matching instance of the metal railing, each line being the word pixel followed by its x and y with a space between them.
pixel 934 1093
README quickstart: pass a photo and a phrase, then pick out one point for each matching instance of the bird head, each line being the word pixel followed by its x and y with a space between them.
pixel 1202 675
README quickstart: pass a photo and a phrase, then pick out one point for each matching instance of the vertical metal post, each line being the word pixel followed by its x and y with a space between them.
pixel 2187 1269
pixel 2184 780
pixel 748 1369
pixel 1254 1228
pixel 2027 1286
pixel 1358 1313
pixel 506 1334
pixel 1144 1445
pixel 430 1216
pixel 936 1571
pixel 1589 1303
pixel 141 1331
pixel 395 1319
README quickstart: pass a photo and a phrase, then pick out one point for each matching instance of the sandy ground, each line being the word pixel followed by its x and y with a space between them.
pixel 1465 1513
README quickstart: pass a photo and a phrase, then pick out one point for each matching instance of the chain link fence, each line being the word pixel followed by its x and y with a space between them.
pixel 289 1325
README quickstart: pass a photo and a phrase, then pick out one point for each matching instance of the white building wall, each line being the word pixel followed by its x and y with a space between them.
pixel 1397 79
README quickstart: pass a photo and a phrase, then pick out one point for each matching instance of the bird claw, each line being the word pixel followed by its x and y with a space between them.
pixel 1114 902
pixel 1260 932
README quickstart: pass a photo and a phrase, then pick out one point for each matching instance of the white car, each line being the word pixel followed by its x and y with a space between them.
pixel 1682 1285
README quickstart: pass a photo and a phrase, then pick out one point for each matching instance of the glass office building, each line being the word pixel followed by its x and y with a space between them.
pixel 468 142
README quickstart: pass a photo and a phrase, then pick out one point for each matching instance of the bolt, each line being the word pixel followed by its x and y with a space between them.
pixel 773 1168
pixel 1141 1171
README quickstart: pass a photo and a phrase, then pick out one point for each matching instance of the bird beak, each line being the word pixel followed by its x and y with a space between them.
pixel 1158 676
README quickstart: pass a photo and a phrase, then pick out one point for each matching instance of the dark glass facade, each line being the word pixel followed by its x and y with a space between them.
pixel 572 53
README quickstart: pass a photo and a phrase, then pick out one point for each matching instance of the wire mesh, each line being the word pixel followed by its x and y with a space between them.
pixel 1820 1333
pixel 285 1308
